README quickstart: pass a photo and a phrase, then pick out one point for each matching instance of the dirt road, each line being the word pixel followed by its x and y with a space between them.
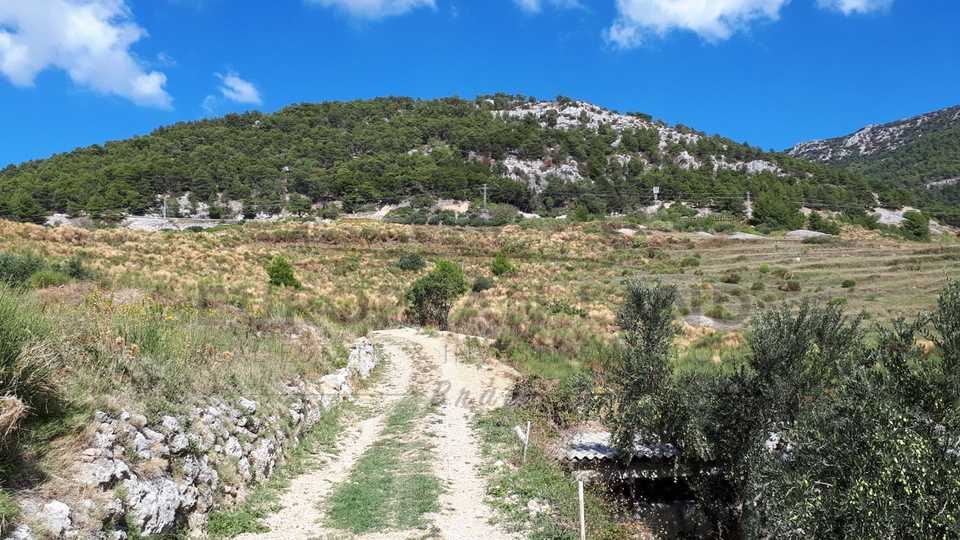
pixel 445 370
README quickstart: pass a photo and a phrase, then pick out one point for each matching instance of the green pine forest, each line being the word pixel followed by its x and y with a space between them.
pixel 385 150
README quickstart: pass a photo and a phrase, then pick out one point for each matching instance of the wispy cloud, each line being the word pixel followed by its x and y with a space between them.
pixel 713 20
pixel 233 89
pixel 89 39
pixel 848 7
pixel 375 9
pixel 536 6
pixel 236 89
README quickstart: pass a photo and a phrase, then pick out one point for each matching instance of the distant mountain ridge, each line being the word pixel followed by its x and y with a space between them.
pixel 543 156
pixel 919 151
pixel 916 160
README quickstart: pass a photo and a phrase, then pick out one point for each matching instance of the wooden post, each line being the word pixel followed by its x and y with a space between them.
pixel 583 523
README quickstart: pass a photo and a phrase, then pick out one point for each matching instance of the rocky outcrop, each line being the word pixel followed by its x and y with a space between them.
pixel 146 476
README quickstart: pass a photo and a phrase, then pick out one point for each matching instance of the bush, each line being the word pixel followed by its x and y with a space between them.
pixel 718 312
pixel 849 283
pixel 690 260
pixel 915 227
pixel 819 240
pixel 482 283
pixel 75 269
pixel 757 286
pixel 732 278
pixel 281 273
pixel 432 295
pixel 16 269
pixel 818 224
pixel 411 262
pixel 501 266
pixel 47 278
pixel 791 285
pixel 837 301
pixel 764 268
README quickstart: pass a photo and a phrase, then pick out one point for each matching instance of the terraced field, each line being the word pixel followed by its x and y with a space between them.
pixel 564 294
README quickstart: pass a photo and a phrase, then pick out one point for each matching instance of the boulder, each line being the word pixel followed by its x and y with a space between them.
pixel 153 505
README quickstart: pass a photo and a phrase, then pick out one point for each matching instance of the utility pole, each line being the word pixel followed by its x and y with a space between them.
pixel 656 194
pixel 164 208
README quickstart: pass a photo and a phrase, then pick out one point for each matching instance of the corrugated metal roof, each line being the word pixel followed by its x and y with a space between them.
pixel 595 445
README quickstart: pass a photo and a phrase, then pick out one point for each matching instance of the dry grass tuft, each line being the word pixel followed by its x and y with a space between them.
pixel 12 411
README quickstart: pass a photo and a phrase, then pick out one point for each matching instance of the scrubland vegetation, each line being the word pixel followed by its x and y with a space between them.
pixel 143 320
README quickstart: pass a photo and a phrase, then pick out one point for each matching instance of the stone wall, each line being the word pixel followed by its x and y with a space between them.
pixel 160 474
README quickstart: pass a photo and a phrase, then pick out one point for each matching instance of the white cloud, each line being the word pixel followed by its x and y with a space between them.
pixel 535 6
pixel 713 20
pixel 375 9
pixel 848 7
pixel 233 89
pixel 89 39
pixel 239 90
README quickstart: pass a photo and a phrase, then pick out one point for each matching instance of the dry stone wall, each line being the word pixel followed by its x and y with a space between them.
pixel 156 475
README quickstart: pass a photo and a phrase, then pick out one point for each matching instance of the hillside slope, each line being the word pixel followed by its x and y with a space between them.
pixel 535 155
pixel 920 155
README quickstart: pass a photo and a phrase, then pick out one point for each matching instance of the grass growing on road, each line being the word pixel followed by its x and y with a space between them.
pixel 391 486
pixel 247 517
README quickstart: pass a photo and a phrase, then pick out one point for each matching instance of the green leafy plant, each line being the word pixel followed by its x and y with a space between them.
pixel 281 273
pixel 482 283
pixel 501 266
pixel 432 295
pixel 411 262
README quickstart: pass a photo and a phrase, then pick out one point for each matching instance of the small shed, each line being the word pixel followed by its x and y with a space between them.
pixel 646 483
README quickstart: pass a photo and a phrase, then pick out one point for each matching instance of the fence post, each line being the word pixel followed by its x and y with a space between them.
pixel 583 522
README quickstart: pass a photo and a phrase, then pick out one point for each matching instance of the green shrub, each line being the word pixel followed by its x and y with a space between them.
pixel 691 260
pixel 757 286
pixel 42 279
pixel 782 273
pixel 849 283
pixel 819 240
pixel 732 278
pixel 837 301
pixel 75 269
pixel 562 306
pixel 432 295
pixel 16 269
pixel 817 223
pixel 790 285
pixel 281 273
pixel 501 266
pixel 764 268
pixel 482 283
pixel 718 312
pixel 411 262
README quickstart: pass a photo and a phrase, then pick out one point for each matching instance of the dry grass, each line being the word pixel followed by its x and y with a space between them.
pixel 12 411
pixel 350 277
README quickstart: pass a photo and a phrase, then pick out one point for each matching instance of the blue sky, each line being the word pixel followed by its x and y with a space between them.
pixel 769 72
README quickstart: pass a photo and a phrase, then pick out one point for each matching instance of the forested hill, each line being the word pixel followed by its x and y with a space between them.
pixel 540 156
pixel 921 154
